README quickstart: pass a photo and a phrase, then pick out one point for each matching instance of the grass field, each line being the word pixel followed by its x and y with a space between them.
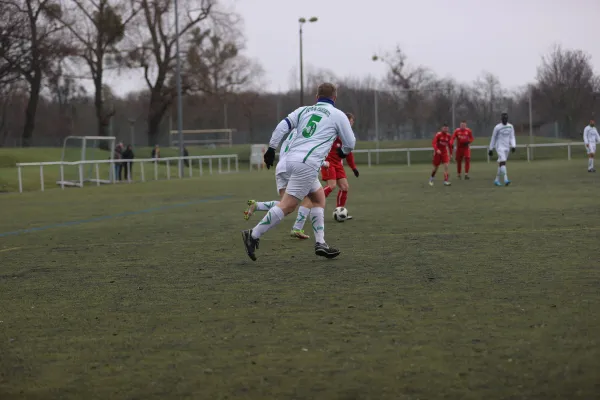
pixel 31 175
pixel 145 292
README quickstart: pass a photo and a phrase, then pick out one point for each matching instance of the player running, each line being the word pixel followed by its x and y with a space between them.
pixel 442 148
pixel 463 137
pixel 281 180
pixel 590 138
pixel 317 127
pixel 503 140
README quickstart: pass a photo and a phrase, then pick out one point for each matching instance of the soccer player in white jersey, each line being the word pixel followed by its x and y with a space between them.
pixel 590 138
pixel 317 127
pixel 281 180
pixel 503 141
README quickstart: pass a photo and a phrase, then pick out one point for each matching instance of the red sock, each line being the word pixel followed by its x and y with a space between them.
pixel 327 190
pixel 459 166
pixel 467 165
pixel 445 176
pixel 341 198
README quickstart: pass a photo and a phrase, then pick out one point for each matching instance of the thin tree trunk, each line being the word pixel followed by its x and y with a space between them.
pixel 31 109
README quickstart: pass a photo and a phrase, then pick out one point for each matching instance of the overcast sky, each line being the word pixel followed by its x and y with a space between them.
pixel 457 38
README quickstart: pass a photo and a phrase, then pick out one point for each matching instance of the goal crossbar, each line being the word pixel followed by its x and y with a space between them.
pixel 228 140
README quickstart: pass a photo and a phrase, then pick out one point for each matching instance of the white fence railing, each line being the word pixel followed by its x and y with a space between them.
pixel 127 164
pixel 529 149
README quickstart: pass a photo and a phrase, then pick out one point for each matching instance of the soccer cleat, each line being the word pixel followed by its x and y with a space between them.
pixel 250 243
pixel 446 183
pixel 250 210
pixel 467 177
pixel 430 183
pixel 497 183
pixel 506 182
pixel 349 217
pixel 299 233
pixel 323 250
pixel 460 177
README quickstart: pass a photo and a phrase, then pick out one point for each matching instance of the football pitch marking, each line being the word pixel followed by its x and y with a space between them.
pixel 107 217
pixel 494 231
pixel 10 249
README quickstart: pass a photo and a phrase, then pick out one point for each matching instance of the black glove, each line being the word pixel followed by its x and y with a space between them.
pixel 269 157
pixel 355 172
pixel 491 153
pixel 341 153
pixel 513 150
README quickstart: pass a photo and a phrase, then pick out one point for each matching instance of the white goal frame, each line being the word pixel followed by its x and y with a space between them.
pixel 174 140
pixel 84 139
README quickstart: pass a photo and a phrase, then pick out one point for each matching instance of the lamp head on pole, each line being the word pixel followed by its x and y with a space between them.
pixel 304 20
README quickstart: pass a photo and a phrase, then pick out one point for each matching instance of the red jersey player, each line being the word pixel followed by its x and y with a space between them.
pixel 334 174
pixel 463 137
pixel 442 149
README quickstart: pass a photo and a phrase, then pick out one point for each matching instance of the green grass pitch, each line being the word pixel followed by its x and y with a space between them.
pixel 144 291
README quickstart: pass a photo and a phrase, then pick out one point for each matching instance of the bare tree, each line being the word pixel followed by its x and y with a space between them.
pixel 565 88
pixel 32 49
pixel 97 28
pixel 156 53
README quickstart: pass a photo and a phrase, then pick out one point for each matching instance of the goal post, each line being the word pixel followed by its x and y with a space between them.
pixel 257 154
pixel 86 148
pixel 202 137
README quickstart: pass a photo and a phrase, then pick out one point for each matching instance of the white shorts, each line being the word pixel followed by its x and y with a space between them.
pixel 502 154
pixel 299 180
pixel 591 149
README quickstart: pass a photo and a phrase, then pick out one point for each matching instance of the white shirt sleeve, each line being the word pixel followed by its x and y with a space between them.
pixel 346 134
pixel 513 141
pixel 494 135
pixel 284 127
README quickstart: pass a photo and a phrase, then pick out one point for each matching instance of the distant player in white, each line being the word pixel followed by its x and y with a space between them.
pixel 503 141
pixel 590 138
pixel 317 127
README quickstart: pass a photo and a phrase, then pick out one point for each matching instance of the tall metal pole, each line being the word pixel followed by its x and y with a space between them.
pixel 376 103
pixel 530 122
pixel 453 110
pixel 178 83
pixel 301 69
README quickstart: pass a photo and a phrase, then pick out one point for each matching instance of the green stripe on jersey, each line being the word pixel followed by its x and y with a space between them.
pixel 313 149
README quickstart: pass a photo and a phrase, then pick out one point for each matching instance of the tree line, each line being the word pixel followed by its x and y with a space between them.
pixel 49 47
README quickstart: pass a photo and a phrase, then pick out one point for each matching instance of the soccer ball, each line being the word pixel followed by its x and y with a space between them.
pixel 340 214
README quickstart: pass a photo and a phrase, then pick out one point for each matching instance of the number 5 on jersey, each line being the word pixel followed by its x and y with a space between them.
pixel 311 126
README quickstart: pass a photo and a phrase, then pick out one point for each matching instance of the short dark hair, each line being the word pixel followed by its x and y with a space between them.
pixel 464 121
pixel 444 124
pixel 350 116
pixel 327 90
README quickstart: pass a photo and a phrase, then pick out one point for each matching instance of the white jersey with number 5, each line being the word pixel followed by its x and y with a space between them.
pixel 503 137
pixel 317 127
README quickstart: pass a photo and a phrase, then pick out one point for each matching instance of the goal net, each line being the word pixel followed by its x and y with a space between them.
pixel 206 137
pixel 87 148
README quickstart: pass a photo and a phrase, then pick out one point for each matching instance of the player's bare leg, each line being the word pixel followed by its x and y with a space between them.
pixel 433 172
pixel 446 174
pixel 275 215
pixel 467 167
pixel 303 214
pixel 317 219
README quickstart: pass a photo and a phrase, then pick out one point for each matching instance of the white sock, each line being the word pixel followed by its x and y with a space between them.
pixel 499 174
pixel 317 219
pixel 590 163
pixel 271 220
pixel 503 172
pixel 266 205
pixel 303 214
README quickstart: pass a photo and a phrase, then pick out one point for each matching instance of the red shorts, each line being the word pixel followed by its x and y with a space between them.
pixel 463 152
pixel 443 158
pixel 333 173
